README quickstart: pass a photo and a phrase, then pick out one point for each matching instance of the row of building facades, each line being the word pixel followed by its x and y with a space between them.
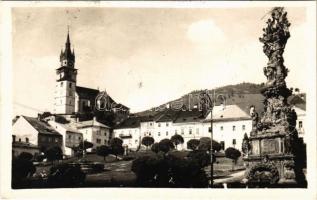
pixel 65 129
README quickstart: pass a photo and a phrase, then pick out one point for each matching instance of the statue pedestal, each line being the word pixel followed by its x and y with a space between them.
pixel 269 161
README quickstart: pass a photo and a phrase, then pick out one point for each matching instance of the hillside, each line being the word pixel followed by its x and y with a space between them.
pixel 244 95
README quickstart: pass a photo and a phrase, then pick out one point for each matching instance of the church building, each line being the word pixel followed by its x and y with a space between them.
pixel 70 99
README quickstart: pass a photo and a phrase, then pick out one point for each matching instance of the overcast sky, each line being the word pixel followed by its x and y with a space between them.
pixel 145 57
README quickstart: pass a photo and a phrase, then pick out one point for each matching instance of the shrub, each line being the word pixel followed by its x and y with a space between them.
pixel 116 146
pixel 201 157
pixel 103 151
pixel 233 154
pixel 54 153
pixel 64 175
pixel 147 141
pixel 166 145
pixel 25 156
pixel 22 168
pixel 205 144
pixel 177 139
pixel 155 147
pixel 193 144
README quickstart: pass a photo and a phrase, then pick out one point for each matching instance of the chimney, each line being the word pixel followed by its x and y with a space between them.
pixel 39 116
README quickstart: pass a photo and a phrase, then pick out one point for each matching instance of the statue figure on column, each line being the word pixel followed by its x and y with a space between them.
pixel 255 119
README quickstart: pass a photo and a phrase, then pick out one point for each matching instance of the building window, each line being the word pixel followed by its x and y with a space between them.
pixel 70 85
pixel 233 128
pixel 159 134
pixel 300 124
pixel 61 84
pixel 27 140
pixel 105 141
pixel 166 133
pixel 56 139
pixel 197 131
pixel 234 142
pixel 166 123
pixel 182 131
pixel 69 136
pixel 49 139
pixel 190 131
pixel 105 133
pixel 159 125
pixel 149 133
pixel 243 127
pixel 151 124
pixel 98 141
pixel 221 128
pixel 79 138
pixel 42 139
pixel 136 141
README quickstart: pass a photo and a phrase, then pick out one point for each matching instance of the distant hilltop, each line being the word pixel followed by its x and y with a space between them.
pixel 243 95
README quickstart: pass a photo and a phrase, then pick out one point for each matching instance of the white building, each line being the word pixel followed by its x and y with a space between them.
pixel 71 136
pixel 36 132
pixel 230 123
pixel 95 132
pixel 129 132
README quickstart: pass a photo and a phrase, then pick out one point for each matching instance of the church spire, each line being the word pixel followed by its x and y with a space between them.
pixel 67 57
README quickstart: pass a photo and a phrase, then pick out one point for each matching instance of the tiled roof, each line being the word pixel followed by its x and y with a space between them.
pixel 166 115
pixel 194 115
pixel 90 123
pixel 228 112
pixel 40 126
pixel 131 122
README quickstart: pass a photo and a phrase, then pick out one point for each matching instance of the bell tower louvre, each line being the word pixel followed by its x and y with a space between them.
pixel 65 88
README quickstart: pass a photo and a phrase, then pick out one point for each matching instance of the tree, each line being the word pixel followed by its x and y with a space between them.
pixel 54 153
pixel 193 144
pixel 22 168
pixel 233 154
pixel 177 139
pixel 83 146
pixel 147 141
pixel 205 144
pixel 155 147
pixel 116 147
pixel 103 151
pixel 25 156
pixel 166 145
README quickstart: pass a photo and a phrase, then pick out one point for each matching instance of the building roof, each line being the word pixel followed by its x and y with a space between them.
pixel 193 115
pixel 40 126
pixel 130 122
pixel 166 115
pixel 86 93
pixel 24 145
pixel 90 123
pixel 228 113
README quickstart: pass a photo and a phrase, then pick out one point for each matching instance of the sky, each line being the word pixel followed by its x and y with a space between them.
pixel 144 57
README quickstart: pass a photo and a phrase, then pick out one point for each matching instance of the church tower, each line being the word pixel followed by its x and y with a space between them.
pixel 65 87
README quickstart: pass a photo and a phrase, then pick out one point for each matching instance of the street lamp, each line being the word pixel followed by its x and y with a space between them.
pixel 209 103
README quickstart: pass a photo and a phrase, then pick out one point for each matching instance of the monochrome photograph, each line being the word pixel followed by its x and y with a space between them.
pixel 161 97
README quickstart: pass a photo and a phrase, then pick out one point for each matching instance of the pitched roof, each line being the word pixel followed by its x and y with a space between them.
pixel 90 123
pixel 40 126
pixel 193 115
pixel 167 115
pixel 130 122
pixel 85 93
pixel 228 113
